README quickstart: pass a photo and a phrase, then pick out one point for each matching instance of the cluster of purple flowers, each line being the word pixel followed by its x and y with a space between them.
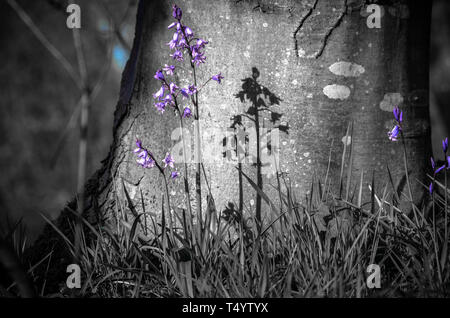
pixel 182 43
pixel 395 132
pixel 436 169
pixel 182 40
pixel 146 159
pixel 168 93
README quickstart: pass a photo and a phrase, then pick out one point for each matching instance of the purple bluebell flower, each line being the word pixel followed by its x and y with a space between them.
pixel 141 153
pixel 201 43
pixel 431 188
pixel 393 134
pixel 138 145
pixel 197 56
pixel 144 159
pixel 160 106
pixel 176 12
pixel 188 32
pixel 448 162
pixel 147 162
pixel 398 115
pixel 182 43
pixel 185 92
pixel 445 145
pixel 173 88
pixel 177 24
pixel 159 94
pixel 169 69
pixel 439 169
pixel 174 42
pixel 168 161
pixel 159 75
pixel 187 112
pixel 174 174
pixel 176 37
pixel 218 78
pixel 168 100
pixel 433 165
pixel 177 55
pixel 172 45
pixel 192 89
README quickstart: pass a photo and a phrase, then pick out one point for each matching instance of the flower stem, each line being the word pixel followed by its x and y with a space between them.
pixel 405 160
pixel 446 207
pixel 185 177
pixel 198 190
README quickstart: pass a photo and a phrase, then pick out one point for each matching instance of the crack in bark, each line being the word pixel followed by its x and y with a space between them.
pixel 302 22
pixel 324 42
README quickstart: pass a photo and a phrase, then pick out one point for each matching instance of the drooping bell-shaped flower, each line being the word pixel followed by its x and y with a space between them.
pixel 159 75
pixel 187 112
pixel 168 161
pixel 159 94
pixel 192 89
pixel 218 78
pixel 169 69
pixel 173 88
pixel 188 32
pixel 177 55
pixel 398 115
pixel 439 169
pixel 176 12
pixel 160 106
pixel 393 134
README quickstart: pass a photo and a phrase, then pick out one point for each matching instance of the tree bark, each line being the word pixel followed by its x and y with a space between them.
pixel 322 62
pixel 314 66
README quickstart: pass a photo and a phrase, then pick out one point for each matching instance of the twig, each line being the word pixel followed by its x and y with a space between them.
pixel 82 152
pixel 96 89
pixel 45 42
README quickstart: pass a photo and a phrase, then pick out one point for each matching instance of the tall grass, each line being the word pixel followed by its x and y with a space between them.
pixel 318 248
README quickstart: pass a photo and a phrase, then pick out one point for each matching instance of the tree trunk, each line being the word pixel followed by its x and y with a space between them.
pixel 324 68
pixel 308 70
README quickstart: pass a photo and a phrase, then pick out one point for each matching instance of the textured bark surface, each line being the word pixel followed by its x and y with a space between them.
pixel 322 62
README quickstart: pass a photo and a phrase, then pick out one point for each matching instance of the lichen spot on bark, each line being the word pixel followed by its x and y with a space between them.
pixel 346 69
pixel 335 91
pixel 391 100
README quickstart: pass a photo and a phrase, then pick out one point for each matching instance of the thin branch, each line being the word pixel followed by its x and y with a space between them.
pixel 82 149
pixel 117 26
pixel 93 94
pixel 45 42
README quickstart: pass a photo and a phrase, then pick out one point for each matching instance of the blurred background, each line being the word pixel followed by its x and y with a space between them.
pixel 39 113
